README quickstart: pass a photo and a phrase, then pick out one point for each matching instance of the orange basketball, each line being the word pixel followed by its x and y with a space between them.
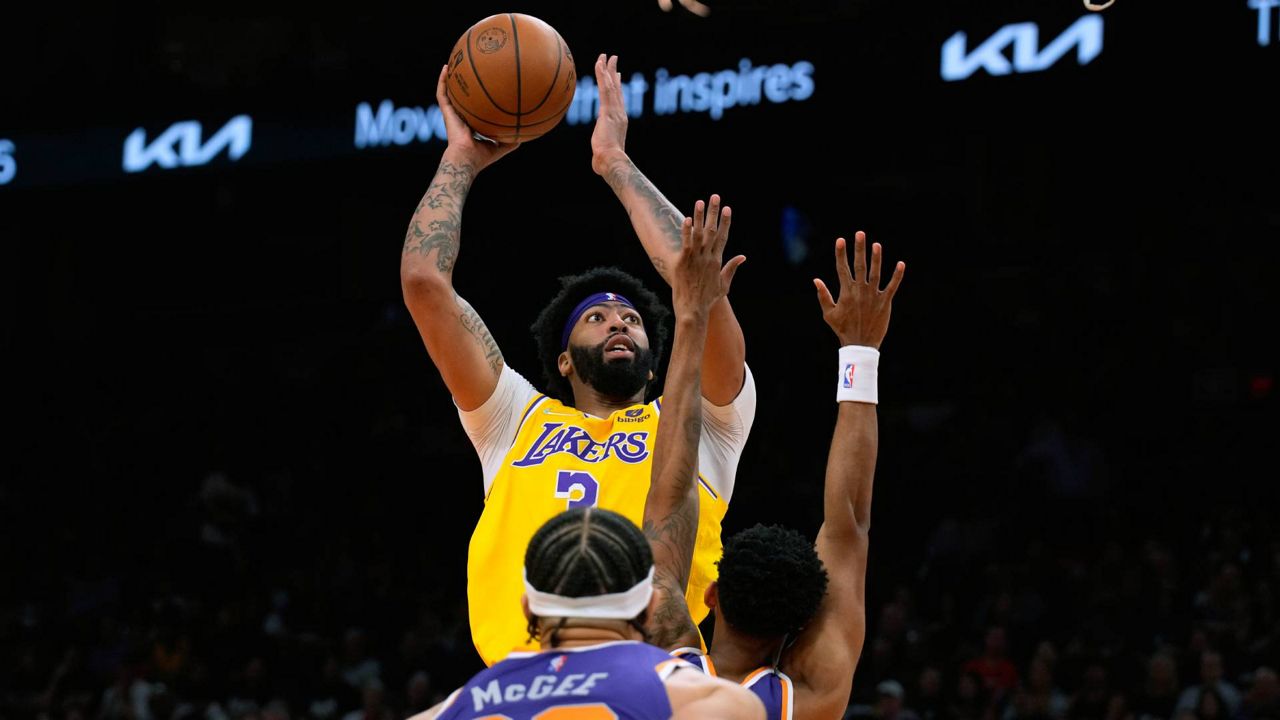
pixel 511 77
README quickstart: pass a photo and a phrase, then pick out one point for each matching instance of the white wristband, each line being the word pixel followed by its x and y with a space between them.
pixel 858 369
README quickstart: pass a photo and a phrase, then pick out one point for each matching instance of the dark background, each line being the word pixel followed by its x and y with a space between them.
pixel 1080 363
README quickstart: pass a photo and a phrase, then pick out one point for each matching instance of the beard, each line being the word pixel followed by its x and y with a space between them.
pixel 616 379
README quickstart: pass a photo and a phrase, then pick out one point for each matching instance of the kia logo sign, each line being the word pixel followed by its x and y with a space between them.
pixel 1085 35
pixel 181 145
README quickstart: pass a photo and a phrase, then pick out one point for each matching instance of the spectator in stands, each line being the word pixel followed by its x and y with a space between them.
pixel 890 702
pixel 931 702
pixel 1211 678
pixel 1158 698
pixel 998 674
pixel 1262 702
pixel 1038 698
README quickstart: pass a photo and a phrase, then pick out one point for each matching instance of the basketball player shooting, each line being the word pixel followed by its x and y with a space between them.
pixel 586 439
pixel 590 574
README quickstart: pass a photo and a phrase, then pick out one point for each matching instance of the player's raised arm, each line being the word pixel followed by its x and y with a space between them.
pixel 671 508
pixel 456 338
pixel 657 223
pixel 824 658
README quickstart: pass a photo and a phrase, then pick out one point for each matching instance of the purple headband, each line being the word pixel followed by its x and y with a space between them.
pixel 596 299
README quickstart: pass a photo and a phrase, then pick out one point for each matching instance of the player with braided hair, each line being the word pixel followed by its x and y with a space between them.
pixel 572 557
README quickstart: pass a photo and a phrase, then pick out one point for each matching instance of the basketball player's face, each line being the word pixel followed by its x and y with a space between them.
pixel 619 328
pixel 610 350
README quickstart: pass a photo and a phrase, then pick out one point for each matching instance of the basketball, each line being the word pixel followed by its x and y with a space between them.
pixel 511 77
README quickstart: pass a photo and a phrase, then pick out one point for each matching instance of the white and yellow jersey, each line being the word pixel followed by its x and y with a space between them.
pixel 541 457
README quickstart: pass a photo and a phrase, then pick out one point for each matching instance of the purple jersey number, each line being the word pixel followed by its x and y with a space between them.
pixel 569 480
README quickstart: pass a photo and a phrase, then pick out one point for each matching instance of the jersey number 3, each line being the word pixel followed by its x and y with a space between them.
pixel 567 481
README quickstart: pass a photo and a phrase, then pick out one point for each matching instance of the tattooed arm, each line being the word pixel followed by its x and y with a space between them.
pixel 671 507
pixel 456 338
pixel 657 223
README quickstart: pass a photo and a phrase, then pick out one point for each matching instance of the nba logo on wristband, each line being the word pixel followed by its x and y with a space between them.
pixel 858 371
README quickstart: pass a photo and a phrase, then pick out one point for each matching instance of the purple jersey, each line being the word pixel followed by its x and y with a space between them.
pixel 612 680
pixel 770 684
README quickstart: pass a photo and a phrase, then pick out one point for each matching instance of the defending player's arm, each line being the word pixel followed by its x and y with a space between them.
pixel 456 338
pixel 823 659
pixel 695 696
pixel 657 223
pixel 671 508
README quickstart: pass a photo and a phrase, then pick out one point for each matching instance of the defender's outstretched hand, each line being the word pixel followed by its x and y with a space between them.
pixel 699 279
pixel 861 316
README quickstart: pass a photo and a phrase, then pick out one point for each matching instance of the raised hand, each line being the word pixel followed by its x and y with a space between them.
pixel 609 138
pixel 698 278
pixel 861 316
pixel 464 145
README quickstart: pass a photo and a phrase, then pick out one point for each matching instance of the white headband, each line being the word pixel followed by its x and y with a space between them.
pixel 614 606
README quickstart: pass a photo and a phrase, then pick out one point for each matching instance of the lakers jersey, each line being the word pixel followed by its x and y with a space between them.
pixel 559 458
pixel 771 685
pixel 611 680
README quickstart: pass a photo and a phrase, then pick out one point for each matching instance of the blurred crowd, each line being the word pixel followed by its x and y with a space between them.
pixel 1082 615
